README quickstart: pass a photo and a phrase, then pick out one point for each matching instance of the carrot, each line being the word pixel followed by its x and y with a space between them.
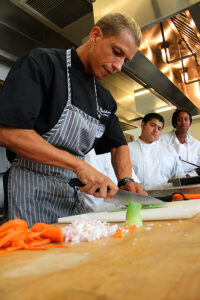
pixel 13 223
pixel 47 247
pixel 8 250
pixel 15 235
pixel 49 231
pixel 120 231
pixel 130 228
pixel 180 196
pixel 9 237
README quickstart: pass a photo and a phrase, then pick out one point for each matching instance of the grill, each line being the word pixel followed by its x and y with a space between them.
pixel 182 23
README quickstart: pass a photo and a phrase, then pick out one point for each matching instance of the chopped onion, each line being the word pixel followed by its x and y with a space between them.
pixel 87 229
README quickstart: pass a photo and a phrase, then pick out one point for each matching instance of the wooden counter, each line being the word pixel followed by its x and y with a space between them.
pixel 162 262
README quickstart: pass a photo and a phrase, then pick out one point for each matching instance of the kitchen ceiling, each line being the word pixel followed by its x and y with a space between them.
pixel 70 19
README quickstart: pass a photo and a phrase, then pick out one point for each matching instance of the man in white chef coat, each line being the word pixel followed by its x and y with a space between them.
pixel 153 162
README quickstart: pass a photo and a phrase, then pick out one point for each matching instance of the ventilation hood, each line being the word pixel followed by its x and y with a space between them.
pixel 25 24
pixel 63 17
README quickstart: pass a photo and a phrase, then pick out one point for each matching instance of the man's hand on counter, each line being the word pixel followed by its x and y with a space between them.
pixel 134 187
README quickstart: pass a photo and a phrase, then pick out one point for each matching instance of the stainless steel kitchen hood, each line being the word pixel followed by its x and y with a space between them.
pixel 141 69
pixel 145 12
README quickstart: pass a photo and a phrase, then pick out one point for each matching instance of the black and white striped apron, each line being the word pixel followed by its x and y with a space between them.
pixel 41 193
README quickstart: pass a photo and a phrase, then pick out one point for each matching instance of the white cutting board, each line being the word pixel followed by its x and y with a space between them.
pixel 173 210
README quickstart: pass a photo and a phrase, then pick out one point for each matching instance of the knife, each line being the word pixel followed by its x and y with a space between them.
pixel 123 196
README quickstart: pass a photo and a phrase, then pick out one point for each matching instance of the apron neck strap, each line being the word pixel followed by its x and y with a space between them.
pixel 68 64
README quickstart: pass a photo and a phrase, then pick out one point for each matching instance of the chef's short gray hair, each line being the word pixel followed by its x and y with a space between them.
pixel 112 24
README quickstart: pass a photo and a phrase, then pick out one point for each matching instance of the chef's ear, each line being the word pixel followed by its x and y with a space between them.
pixel 142 125
pixel 95 34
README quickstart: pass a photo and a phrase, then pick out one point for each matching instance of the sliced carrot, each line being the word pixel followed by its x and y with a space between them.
pixel 49 231
pixel 179 196
pixel 130 228
pixel 9 237
pixel 39 243
pixel 7 250
pixel 14 223
pixel 15 235
pixel 118 233
pixel 2 234
pixel 48 247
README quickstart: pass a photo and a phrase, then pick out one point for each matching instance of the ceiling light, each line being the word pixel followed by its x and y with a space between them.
pixel 184 72
pixel 166 55
pixel 184 75
pixel 141 92
pixel 165 51
pixel 163 108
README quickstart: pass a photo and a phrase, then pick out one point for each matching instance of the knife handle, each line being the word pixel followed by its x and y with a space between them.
pixel 76 182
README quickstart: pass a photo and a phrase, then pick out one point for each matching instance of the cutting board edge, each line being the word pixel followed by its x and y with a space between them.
pixel 174 211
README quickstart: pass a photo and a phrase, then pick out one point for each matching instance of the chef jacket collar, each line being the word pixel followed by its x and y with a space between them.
pixel 141 142
pixel 77 63
pixel 188 137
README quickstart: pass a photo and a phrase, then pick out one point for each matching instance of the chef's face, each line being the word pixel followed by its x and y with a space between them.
pixel 108 54
pixel 151 131
pixel 183 122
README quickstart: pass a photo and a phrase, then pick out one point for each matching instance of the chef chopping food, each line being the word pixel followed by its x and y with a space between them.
pixel 53 111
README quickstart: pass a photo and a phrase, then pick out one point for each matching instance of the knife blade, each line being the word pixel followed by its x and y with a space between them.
pixel 123 196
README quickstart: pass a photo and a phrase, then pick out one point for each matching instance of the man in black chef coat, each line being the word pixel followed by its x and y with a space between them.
pixel 53 111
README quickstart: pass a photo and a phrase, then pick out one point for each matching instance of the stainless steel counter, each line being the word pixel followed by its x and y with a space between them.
pixel 166 191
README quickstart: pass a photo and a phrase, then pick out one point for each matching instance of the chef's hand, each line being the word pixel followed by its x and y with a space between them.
pixel 95 183
pixel 134 187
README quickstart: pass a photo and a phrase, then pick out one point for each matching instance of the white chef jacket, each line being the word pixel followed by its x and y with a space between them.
pixel 189 151
pixel 154 163
pixel 103 164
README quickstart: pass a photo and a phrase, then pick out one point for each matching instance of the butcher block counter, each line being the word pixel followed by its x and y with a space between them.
pixel 160 260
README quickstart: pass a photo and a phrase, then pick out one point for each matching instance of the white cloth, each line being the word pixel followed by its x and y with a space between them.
pixel 189 151
pixel 103 164
pixel 154 163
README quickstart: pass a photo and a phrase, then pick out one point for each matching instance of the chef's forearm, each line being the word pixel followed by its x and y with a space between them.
pixel 30 145
pixel 121 162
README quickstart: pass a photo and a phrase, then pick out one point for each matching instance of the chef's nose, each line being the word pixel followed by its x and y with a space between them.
pixel 118 63
pixel 156 128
